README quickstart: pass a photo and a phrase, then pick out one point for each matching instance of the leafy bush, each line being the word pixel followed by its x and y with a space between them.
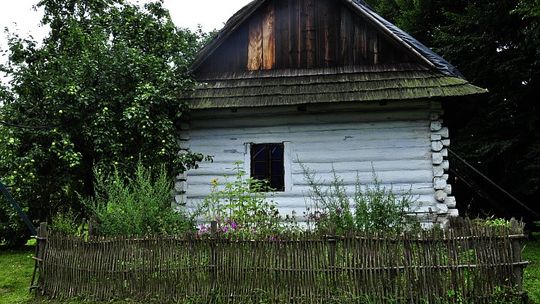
pixel 66 223
pixel 135 206
pixel 371 208
pixel 13 232
pixel 494 222
pixel 243 206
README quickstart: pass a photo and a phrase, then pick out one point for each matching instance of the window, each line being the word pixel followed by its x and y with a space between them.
pixel 267 164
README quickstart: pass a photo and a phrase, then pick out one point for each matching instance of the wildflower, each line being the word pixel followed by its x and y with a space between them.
pixel 203 229
pixel 214 181
pixel 234 225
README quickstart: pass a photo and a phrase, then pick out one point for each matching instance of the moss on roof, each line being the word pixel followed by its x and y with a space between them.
pixel 354 84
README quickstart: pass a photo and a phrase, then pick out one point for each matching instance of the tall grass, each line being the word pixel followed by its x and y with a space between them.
pixel 138 205
pixel 371 208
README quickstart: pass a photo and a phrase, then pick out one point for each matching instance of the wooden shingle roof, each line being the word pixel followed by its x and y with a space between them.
pixel 424 74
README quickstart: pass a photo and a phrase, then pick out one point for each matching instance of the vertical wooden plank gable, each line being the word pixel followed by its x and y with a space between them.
pixel 241 46
pixel 345 37
pixel 294 31
pixel 373 47
pixel 299 33
pixel 357 41
pixel 318 19
pixel 268 38
pixel 282 26
pixel 360 42
pixel 255 46
pixel 386 54
pixel 309 32
pixel 324 35
pixel 235 50
pixel 376 50
pixel 291 34
pixel 329 29
pixel 364 45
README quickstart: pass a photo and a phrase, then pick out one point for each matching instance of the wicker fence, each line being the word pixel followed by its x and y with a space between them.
pixel 473 263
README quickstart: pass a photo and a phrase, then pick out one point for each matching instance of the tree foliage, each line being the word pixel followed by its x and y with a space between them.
pixel 102 88
pixel 496 45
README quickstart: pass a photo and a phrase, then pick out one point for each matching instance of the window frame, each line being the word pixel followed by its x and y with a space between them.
pixel 287 177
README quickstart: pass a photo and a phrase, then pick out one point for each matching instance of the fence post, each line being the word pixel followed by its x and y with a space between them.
pixel 516 254
pixel 42 235
pixel 213 256
pixel 332 256
pixel 90 228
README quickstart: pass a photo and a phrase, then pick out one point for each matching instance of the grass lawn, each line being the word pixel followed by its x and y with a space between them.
pixel 16 272
pixel 16 267
pixel 531 282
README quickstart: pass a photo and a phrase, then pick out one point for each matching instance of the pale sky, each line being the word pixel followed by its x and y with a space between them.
pixel 20 17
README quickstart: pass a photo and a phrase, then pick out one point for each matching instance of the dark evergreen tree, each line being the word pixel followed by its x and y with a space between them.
pixel 496 45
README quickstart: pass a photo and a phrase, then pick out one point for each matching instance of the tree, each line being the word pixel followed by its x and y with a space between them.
pixel 102 88
pixel 496 45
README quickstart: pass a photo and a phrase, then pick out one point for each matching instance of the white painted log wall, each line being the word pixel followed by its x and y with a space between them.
pixel 394 139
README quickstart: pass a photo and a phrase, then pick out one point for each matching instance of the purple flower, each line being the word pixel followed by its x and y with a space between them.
pixel 225 229
pixel 203 228
pixel 234 225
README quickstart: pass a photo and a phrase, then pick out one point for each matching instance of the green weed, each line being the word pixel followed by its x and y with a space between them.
pixel 135 206
pixel 371 208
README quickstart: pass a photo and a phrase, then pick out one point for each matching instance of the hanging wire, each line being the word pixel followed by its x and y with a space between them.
pixel 17 208
pixel 493 183
pixel 27 127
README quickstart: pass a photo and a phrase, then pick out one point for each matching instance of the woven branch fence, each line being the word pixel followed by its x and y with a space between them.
pixel 470 263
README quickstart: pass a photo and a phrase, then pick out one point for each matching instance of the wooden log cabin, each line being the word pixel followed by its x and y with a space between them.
pixel 328 84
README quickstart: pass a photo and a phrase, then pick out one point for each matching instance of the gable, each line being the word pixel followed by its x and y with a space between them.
pixel 296 34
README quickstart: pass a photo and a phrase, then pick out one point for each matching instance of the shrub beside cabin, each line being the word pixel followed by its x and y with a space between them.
pixel 329 84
